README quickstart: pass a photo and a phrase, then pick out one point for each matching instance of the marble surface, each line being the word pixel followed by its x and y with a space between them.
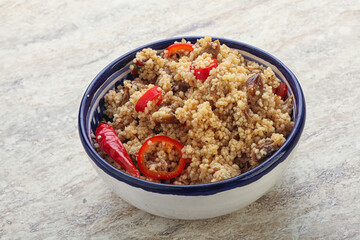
pixel 51 50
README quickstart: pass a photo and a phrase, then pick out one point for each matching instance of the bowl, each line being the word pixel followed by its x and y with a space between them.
pixel 189 201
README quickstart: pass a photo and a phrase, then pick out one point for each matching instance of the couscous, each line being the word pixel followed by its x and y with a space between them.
pixel 195 113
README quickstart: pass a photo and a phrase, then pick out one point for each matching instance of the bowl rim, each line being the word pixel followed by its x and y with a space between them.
pixel 199 189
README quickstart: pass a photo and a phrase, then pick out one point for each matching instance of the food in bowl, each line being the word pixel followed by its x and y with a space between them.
pixel 193 114
pixel 196 201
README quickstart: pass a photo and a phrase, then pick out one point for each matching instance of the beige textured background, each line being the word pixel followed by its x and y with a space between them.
pixel 51 50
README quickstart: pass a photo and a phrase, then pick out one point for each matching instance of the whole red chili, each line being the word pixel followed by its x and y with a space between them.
pixel 111 144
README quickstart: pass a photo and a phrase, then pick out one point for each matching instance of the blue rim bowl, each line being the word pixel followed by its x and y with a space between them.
pixel 90 114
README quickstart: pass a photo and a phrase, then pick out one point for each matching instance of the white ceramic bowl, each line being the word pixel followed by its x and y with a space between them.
pixel 194 201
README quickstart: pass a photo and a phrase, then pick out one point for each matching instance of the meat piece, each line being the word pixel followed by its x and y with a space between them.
pixel 157 128
pixel 126 96
pixel 247 115
pixel 288 105
pixel 243 163
pixel 254 83
pixel 266 149
pixel 166 117
pixel 180 86
pixel 213 48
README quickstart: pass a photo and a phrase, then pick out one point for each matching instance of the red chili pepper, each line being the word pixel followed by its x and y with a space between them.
pixel 111 144
pixel 203 73
pixel 140 63
pixel 178 47
pixel 150 95
pixel 281 90
pixel 136 67
pixel 160 174
pixel 134 72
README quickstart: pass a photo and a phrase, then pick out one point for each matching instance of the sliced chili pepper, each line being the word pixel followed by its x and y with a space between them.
pixel 136 67
pixel 281 90
pixel 111 144
pixel 150 95
pixel 160 174
pixel 139 63
pixel 134 71
pixel 203 73
pixel 178 47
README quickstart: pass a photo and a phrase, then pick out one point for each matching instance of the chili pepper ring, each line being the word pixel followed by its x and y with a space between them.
pixel 150 95
pixel 178 47
pixel 160 174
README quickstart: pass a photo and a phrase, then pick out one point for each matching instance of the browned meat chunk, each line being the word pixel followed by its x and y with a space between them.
pixel 266 149
pixel 288 105
pixel 247 115
pixel 168 118
pixel 126 96
pixel 254 83
pixel 243 163
pixel 180 86
pixel 213 48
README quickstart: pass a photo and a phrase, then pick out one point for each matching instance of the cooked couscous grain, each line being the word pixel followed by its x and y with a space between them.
pixel 228 124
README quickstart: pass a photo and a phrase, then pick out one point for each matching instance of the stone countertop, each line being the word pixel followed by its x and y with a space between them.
pixel 51 50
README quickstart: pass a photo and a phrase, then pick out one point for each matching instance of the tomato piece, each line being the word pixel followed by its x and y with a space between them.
pixel 150 95
pixel 178 47
pixel 160 174
pixel 281 90
pixel 203 73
